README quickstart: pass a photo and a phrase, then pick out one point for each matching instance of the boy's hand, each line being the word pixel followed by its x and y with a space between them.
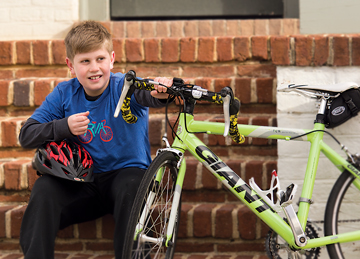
pixel 78 123
pixel 160 91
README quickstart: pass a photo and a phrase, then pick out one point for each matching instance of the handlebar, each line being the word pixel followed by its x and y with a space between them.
pixel 231 105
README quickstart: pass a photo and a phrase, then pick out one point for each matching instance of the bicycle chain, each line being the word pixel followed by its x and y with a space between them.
pixel 272 246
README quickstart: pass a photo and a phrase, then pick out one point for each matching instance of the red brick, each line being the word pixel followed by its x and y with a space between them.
pixel 100 246
pixel 22 93
pixel 341 51
pixel 355 51
pixel 205 83
pixel 67 232
pixel 9 133
pixel 243 89
pixel 118 31
pixel 6 74
pixel 77 246
pixel 205 28
pixel 23 52
pixel 107 25
pixel 191 28
pixel 247 223
pixel 259 47
pixel 41 89
pixel 16 218
pixel 190 179
pixel 118 46
pixel 241 247
pixel 187 49
pixel 194 247
pixel 58 52
pixel 208 180
pixel 133 50
pixel 219 27
pixel 32 176
pixel 170 50
pixel 202 220
pixel 209 71
pixel 155 125
pixel 176 28
pixel 254 169
pixel 257 70
pixel 206 48
pixel 4 91
pixel 182 231
pixel 220 83
pixel 280 50
pixel 148 29
pixel 242 48
pixel 12 173
pixel 133 29
pixel 41 52
pixel 224 49
pixel 3 210
pixel 151 49
pixel 264 90
pixel 41 72
pixel 223 221
pixel 247 27
pixel 162 28
pixel 321 50
pixel 303 50
pixel 87 230
pixel 275 26
pixel 6 52
pixel 260 26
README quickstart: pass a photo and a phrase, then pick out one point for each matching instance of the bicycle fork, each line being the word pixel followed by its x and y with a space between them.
pixel 166 240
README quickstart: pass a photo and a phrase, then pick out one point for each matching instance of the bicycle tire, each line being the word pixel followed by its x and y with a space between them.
pixel 340 216
pixel 156 222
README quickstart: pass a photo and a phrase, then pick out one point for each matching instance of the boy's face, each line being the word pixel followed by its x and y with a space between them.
pixel 92 69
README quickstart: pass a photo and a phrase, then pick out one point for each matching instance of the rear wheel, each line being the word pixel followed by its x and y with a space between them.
pixel 147 228
pixel 342 215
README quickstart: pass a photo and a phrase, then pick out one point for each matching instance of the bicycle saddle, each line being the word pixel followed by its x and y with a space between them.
pixel 335 88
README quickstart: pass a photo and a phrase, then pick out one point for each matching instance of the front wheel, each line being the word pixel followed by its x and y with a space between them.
pixel 148 225
pixel 342 214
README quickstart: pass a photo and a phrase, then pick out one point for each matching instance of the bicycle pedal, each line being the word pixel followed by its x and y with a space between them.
pixel 286 198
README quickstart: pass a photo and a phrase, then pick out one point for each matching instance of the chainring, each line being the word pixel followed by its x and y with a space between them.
pixel 277 248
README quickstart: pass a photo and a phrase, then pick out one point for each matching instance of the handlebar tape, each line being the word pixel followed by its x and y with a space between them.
pixel 234 133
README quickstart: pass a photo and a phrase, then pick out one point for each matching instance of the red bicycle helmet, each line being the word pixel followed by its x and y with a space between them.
pixel 64 159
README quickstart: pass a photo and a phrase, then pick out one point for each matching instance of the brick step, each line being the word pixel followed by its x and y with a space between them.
pixel 207 227
pixel 111 256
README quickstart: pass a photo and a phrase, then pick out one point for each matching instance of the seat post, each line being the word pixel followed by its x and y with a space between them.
pixel 323 103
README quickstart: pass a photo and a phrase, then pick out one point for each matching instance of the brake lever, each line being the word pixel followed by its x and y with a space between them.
pixel 226 108
pixel 128 82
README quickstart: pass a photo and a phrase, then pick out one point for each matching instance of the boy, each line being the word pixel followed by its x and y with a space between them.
pixel 119 163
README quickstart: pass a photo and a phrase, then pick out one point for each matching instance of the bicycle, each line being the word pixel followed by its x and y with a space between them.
pixel 152 230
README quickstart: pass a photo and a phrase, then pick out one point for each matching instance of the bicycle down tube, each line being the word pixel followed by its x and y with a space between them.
pixel 188 141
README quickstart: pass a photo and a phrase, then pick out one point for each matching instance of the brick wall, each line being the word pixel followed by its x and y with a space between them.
pixel 211 219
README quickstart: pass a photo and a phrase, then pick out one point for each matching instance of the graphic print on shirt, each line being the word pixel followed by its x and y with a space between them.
pixel 94 128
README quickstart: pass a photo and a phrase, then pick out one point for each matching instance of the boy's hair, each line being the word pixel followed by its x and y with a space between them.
pixel 85 37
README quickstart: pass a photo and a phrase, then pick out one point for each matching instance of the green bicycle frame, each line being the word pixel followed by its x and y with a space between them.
pixel 188 141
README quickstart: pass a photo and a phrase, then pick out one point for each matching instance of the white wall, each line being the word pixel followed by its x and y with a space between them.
pixel 296 111
pixel 37 19
pixel 334 16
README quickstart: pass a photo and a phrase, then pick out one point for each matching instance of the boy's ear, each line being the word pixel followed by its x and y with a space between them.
pixel 70 66
pixel 112 60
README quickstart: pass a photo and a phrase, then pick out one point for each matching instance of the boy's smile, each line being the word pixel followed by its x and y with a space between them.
pixel 92 69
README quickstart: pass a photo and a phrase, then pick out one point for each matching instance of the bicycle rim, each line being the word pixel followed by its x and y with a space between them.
pixel 342 215
pixel 146 233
